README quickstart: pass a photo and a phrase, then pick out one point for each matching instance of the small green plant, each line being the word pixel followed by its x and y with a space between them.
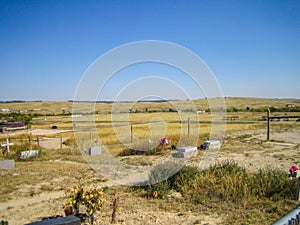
pixel 75 198
pixel 69 142
pixel 93 200
pixel 159 190
pixel 245 136
pixel 199 198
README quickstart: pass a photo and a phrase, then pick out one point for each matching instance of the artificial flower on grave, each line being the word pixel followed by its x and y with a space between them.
pixel 293 170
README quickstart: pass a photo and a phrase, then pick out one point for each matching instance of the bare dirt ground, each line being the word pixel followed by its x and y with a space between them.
pixel 51 143
pixel 133 211
pixel 247 148
pixel 35 132
pixel 251 150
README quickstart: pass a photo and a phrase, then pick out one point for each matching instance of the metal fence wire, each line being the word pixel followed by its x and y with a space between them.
pixel 292 218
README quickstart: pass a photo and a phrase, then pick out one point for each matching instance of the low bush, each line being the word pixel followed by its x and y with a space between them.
pixel 159 178
pixel 225 182
pixel 273 184
pixel 145 150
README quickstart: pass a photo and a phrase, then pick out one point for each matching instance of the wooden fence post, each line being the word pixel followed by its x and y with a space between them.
pixel 61 142
pixel 189 126
pixel 298 188
pixel 29 139
pixel 268 125
pixel 90 139
pixel 131 134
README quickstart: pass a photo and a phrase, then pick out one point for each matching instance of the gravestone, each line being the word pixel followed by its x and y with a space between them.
pixel 95 150
pixel 28 154
pixel 7 164
pixel 213 144
pixel 187 149
pixel 178 155
pixel 68 220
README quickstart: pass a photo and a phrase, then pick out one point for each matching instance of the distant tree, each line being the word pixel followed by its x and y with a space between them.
pixel 235 109
pixel 20 117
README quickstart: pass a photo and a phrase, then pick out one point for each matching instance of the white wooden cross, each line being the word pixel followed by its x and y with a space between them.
pixel 7 145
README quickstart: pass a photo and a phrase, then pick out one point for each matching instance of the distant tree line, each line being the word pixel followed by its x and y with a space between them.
pixel 17 117
pixel 265 109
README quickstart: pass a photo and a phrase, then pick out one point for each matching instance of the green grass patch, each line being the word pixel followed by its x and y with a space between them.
pixel 247 197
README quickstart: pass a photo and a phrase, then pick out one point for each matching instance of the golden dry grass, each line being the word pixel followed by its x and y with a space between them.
pixel 201 104
pixel 58 168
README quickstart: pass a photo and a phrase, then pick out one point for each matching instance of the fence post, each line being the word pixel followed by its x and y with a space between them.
pixel 29 139
pixel 189 126
pixel 60 142
pixel 268 125
pixel 298 188
pixel 131 134
pixel 90 139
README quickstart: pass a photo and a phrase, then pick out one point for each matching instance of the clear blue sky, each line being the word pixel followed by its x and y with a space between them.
pixel 252 46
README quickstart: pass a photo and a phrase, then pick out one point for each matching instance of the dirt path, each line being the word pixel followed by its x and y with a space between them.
pixel 24 202
pixel 133 211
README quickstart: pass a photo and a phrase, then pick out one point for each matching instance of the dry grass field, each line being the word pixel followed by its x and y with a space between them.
pixel 35 188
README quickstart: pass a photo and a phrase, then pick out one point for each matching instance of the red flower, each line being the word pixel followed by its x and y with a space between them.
pixel 293 169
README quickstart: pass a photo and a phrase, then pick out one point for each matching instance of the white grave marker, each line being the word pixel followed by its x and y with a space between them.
pixel 7 145
pixel 95 150
pixel 28 154
pixel 187 149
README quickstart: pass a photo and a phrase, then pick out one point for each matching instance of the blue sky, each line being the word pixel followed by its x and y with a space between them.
pixel 251 46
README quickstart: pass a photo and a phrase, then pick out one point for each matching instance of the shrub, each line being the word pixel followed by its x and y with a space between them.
pixel 159 178
pixel 69 142
pixel 91 198
pixel 273 184
pixel 183 179
pixel 225 182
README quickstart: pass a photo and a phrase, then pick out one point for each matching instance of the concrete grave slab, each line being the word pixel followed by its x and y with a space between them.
pixel 7 164
pixel 187 149
pixel 95 150
pixel 68 220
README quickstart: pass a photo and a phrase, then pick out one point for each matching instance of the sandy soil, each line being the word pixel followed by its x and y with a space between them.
pixel 255 153
pixel 133 211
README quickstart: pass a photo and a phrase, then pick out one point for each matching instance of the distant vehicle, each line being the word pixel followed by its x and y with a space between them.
pixel 286 119
pixel 298 120
pixel 54 127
